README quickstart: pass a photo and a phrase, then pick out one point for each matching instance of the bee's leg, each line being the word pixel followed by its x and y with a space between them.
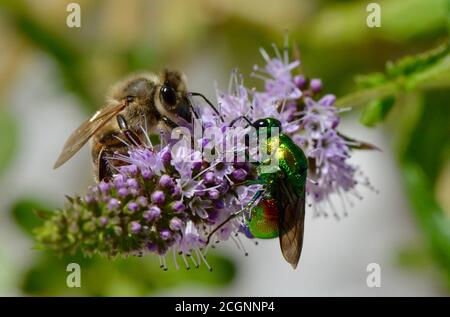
pixel 103 171
pixel 237 213
pixel 130 135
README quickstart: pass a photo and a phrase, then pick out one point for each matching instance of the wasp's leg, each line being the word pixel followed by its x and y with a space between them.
pixel 255 182
pixel 237 213
pixel 130 135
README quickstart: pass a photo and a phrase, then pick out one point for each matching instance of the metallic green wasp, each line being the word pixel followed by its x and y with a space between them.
pixel 278 209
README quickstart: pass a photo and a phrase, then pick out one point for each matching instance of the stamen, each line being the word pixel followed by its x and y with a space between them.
pixel 277 52
pixel 193 260
pixel 204 260
pixel 185 261
pixel 242 245
pixel 164 263
pixel 175 259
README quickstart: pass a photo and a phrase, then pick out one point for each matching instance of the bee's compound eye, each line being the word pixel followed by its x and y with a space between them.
pixel 168 95
pixel 130 99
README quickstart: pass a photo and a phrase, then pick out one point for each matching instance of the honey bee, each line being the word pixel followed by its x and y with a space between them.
pixel 161 101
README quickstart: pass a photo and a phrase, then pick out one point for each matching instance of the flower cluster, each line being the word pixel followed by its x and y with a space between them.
pixel 159 200
pixel 309 117
pixel 168 199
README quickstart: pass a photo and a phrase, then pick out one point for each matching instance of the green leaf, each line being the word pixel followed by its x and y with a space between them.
pixel 28 213
pixel 429 141
pixel 424 151
pixel 8 139
pixel 131 276
pixel 376 111
pixel 67 54
pixel 423 71
pixel 431 217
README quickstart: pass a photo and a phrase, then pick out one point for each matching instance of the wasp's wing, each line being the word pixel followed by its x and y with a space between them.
pixel 291 221
pixel 86 130
pixel 358 145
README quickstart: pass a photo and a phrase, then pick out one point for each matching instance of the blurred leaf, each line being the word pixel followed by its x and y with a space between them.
pixel 413 64
pixel 66 54
pixel 132 276
pixel 432 219
pixel 429 140
pixel 141 57
pixel 8 139
pixel 344 22
pixel 414 257
pixel 423 71
pixel 376 111
pixel 26 211
pixel 422 158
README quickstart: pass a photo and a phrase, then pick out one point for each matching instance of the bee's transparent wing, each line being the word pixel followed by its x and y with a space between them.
pixel 291 221
pixel 86 130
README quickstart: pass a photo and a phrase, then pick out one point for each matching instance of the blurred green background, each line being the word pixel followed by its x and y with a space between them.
pixel 52 77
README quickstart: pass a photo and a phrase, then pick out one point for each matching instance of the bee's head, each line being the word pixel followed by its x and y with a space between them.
pixel 163 96
pixel 173 97
pixel 271 125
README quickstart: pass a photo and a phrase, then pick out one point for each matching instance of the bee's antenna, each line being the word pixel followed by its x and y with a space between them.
pixel 209 103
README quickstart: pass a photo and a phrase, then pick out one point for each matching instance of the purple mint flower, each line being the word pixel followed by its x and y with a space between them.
pixel 113 204
pixel 239 174
pixel 197 164
pixel 300 81
pixel 175 224
pixel 158 197
pixel 152 213
pixel 319 116
pixel 132 182
pixel 200 190
pixel 132 206
pixel 119 180
pixel 142 201
pixel 166 181
pixel 178 206
pixel 147 174
pixel 222 169
pixel 135 227
pixel 219 204
pixel 88 198
pixel 316 85
pixel 123 192
pixel 103 221
pixel 199 206
pixel 104 187
pixel 166 156
pixel 165 234
pixel 190 239
pixel 209 177
pixel 279 83
pixel 213 194
pixel 176 191
pixel 152 247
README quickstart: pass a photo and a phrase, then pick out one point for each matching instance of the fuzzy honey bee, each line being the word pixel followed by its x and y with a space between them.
pixel 157 102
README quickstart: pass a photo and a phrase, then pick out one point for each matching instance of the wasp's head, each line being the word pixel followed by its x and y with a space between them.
pixel 270 125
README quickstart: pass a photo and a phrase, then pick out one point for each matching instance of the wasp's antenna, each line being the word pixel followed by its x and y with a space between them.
pixel 240 118
pixel 208 102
